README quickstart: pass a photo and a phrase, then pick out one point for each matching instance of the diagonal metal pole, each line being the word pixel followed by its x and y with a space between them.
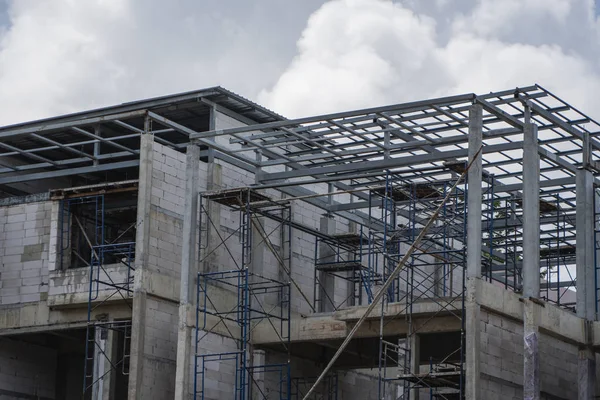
pixel 391 278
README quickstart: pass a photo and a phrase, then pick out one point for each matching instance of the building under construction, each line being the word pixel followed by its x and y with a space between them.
pixel 200 246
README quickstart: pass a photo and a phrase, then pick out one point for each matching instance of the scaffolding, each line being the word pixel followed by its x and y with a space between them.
pixel 342 256
pixel 328 389
pixel 388 170
pixel 255 299
pixel 435 272
pixel 90 239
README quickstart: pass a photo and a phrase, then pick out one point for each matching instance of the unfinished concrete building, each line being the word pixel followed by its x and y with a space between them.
pixel 200 246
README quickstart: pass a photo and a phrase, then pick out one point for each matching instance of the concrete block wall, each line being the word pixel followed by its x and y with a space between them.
pixel 27 370
pixel 558 367
pixel 160 349
pixel 502 361
pixel 501 356
pixel 25 236
pixel 166 207
pixel 219 376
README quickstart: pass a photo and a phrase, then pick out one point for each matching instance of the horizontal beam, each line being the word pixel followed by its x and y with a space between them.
pixel 53 126
pixel 68 172
pixel 389 163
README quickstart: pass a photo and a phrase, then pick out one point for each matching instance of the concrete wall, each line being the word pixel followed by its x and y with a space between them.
pixel 502 361
pixel 159 315
pixel 26 370
pixel 24 235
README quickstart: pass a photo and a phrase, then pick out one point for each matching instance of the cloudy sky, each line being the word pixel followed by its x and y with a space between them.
pixel 295 57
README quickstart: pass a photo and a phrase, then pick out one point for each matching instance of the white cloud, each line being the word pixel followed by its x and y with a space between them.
pixel 59 56
pixel 358 53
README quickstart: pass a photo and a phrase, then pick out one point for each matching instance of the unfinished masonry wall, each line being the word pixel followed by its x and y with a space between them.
pixel 27 371
pixel 25 237
pixel 502 361
pixel 159 317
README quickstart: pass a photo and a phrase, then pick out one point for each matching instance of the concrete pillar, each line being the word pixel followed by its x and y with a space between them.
pixel 586 299
pixel 414 342
pixel 472 308
pixel 111 349
pixel 189 271
pixel 257 380
pixel 257 260
pixel 212 219
pixel 142 244
pixel 351 286
pixel 531 369
pixel 531 213
pixel 586 374
pixel 586 274
pixel 531 260
pixel 100 363
pixel 327 281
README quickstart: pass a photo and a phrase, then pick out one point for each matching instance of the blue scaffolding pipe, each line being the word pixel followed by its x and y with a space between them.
pixel 245 287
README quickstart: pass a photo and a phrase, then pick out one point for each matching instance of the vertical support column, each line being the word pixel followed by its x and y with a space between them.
pixel 188 272
pixel 327 281
pixel 415 361
pixel 100 336
pixel 97 132
pixel 213 220
pixel 214 177
pixel 472 308
pixel 351 286
pixel 257 382
pixel 257 255
pixel 531 213
pixel 586 297
pixel 113 364
pixel 586 287
pixel 142 244
pixel 531 259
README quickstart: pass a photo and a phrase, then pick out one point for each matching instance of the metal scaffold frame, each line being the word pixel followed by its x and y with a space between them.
pixel 435 272
pixel 256 299
pixel 101 360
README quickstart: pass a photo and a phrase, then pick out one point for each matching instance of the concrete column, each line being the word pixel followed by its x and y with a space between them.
pixel 257 261
pixel 142 244
pixel 531 260
pixel 211 222
pixel 327 281
pixel 586 273
pixel 257 381
pixel 472 308
pixel 586 299
pixel 531 370
pixel 531 213
pixel 111 349
pixel 350 285
pixel 586 374
pixel 189 271
pixel 414 342
pixel 100 363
